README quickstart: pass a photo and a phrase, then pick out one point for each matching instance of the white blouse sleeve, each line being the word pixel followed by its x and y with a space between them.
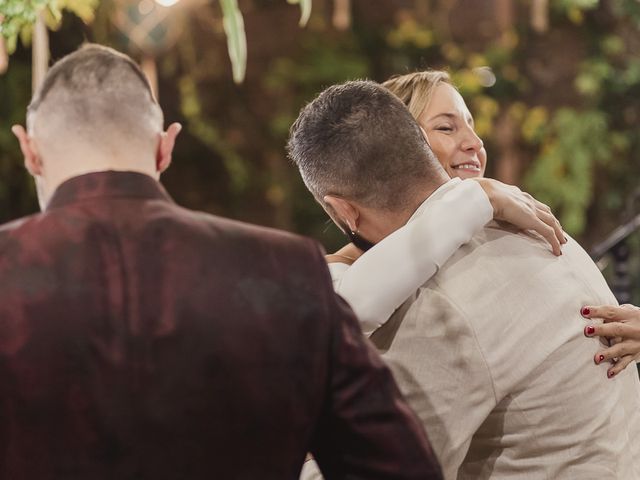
pixel 386 275
pixel 337 271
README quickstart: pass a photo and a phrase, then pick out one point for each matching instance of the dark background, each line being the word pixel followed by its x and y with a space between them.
pixel 561 119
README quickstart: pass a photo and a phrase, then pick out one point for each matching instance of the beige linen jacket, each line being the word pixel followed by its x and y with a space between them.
pixel 491 355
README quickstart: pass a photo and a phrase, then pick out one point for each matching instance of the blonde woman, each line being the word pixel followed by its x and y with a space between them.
pixel 448 125
pixel 443 115
pixel 465 209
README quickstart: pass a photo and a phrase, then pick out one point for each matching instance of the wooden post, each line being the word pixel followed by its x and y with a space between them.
pixel 508 162
pixel 341 14
pixel 150 69
pixel 540 15
pixel 4 56
pixel 504 15
pixel 40 59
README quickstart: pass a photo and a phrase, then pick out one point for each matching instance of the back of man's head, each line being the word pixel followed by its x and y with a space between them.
pixel 95 98
pixel 359 142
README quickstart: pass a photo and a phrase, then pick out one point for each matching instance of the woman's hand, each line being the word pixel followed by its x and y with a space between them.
pixel 512 205
pixel 622 327
pixel 347 254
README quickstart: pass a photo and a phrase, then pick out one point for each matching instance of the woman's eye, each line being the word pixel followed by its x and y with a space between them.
pixel 444 128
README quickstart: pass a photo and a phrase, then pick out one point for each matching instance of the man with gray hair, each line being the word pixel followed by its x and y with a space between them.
pixel 141 340
pixel 490 351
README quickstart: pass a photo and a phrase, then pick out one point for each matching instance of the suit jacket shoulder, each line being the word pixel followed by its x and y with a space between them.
pixel 506 299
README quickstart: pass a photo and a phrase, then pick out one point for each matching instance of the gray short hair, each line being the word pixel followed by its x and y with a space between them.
pixel 96 91
pixel 358 141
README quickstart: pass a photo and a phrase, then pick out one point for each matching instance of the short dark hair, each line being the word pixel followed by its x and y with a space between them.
pixel 100 94
pixel 357 140
pixel 70 71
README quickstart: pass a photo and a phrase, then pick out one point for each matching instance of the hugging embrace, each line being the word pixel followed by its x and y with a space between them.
pixel 144 340
pixel 487 344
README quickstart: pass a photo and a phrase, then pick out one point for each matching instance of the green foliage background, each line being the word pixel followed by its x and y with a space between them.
pixel 568 98
pixel 20 16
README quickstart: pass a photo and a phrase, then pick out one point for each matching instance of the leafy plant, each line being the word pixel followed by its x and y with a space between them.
pixel 233 23
pixel 563 175
pixel 19 16
pixel 236 38
pixel 305 7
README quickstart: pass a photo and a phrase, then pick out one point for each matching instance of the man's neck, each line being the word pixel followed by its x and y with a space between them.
pixel 68 169
pixel 384 223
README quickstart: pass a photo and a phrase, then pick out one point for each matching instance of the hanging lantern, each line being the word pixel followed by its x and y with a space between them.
pixel 148 27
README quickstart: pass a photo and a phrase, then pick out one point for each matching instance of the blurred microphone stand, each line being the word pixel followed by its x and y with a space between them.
pixel 615 248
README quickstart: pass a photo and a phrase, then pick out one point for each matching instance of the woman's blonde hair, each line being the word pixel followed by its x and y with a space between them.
pixel 415 89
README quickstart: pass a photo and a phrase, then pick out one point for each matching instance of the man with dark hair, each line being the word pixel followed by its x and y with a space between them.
pixel 490 351
pixel 350 155
pixel 142 340
pixel 348 158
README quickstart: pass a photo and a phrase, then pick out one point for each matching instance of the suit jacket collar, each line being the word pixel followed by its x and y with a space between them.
pixel 109 184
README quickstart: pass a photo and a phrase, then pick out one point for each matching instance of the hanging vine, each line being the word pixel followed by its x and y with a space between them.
pixel 19 17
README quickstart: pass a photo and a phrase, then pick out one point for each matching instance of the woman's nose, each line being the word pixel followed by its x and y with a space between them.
pixel 471 140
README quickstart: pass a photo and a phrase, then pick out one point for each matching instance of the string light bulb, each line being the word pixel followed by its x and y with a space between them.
pixel 167 3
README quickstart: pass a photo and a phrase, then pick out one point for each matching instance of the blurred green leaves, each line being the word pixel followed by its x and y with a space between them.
pixel 562 142
pixel 206 132
pixel 562 176
pixel 233 23
pixel 305 10
pixel 570 97
pixel 574 8
pixel 19 16
pixel 236 38
pixel 580 4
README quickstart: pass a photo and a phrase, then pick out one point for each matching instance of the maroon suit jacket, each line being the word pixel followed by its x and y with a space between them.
pixel 140 340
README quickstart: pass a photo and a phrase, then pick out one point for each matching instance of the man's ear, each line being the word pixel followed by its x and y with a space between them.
pixel 29 150
pixel 165 147
pixel 346 212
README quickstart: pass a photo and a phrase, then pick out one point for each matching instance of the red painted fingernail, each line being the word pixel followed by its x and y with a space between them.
pixel 585 311
pixel 600 358
pixel 610 374
pixel 589 330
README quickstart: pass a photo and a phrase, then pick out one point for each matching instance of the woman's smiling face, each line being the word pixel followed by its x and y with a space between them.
pixel 449 127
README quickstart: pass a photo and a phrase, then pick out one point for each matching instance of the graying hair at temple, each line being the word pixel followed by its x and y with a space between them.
pixel 358 141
